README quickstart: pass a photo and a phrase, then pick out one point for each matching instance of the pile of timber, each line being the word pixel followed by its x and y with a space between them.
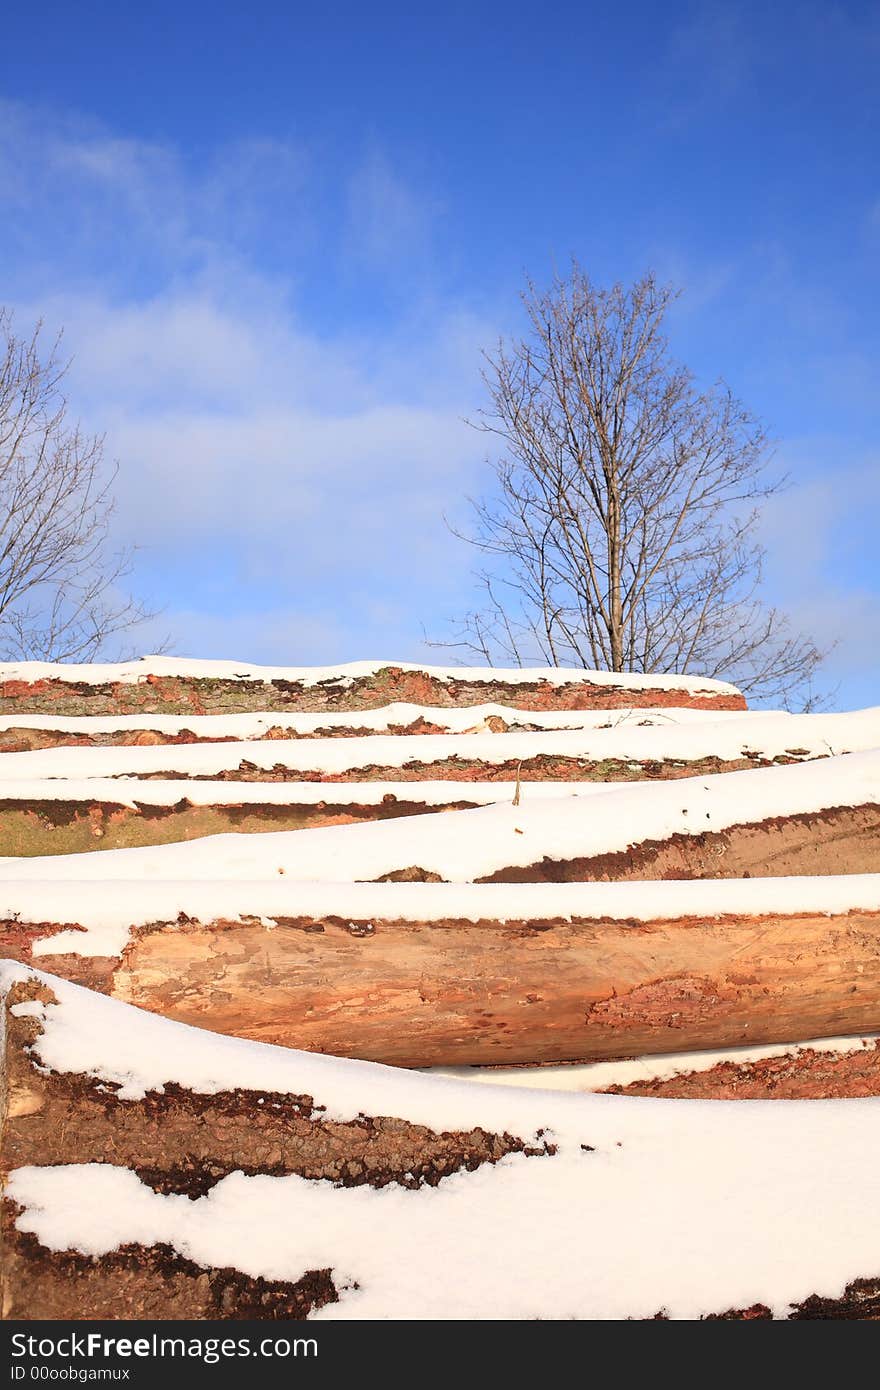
pixel 161 1171
pixel 95 785
pixel 568 882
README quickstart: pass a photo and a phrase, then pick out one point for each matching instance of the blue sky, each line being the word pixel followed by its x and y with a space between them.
pixel 277 240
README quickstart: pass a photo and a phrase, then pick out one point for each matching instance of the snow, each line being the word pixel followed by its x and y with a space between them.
pixel 133 792
pixel 108 916
pixel 470 844
pixel 687 1206
pixel 597 1076
pixel 188 668
pixel 765 737
pixel 30 1008
pixel 242 727
pixel 690 1216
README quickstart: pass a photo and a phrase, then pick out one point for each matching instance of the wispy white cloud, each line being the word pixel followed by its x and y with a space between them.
pixel 820 539
pixel 713 46
pixel 307 472
pixel 389 221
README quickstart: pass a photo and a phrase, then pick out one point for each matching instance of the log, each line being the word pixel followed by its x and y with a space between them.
pixel 245 763
pixel 615 751
pixel 450 990
pixel 429 994
pixel 46 818
pixel 816 818
pixel 842 1068
pixel 28 732
pixel 802 1072
pixel 839 839
pixel 697 747
pixel 162 684
pixel 76 818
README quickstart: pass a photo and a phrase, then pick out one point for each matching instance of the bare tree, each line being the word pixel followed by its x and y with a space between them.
pixel 622 533
pixel 59 582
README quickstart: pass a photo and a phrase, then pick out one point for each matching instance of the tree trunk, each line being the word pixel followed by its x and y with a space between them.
pixel 615 596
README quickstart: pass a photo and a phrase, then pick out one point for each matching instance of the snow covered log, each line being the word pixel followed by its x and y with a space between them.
pixel 812 818
pixel 21 732
pixel 847 1068
pixel 620 753
pixel 58 816
pixel 839 1068
pixel 64 800
pixel 218 687
pixel 156 1171
pixel 443 974
pixel 627 735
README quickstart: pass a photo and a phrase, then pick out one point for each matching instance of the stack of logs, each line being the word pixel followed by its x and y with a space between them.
pixel 663 944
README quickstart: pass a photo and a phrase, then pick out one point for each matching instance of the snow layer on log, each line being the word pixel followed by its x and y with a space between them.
pixel 473 844
pixel 399 714
pixel 105 918
pixel 131 672
pixel 598 1076
pixel 798 736
pixel 683 1207
pixel 133 792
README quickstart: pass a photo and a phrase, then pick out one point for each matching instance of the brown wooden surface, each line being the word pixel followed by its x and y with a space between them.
pixel 431 994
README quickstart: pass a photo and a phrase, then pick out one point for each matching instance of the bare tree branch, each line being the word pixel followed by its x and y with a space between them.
pixel 60 593
pixel 622 531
